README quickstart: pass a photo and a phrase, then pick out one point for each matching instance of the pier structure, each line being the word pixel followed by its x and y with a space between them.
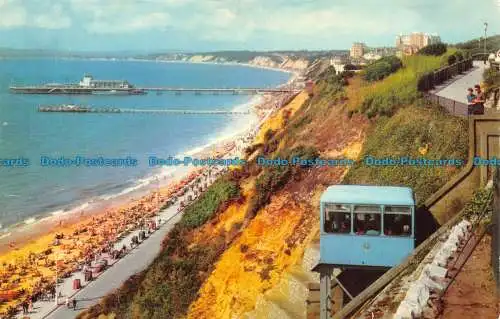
pixel 143 90
pixel 59 109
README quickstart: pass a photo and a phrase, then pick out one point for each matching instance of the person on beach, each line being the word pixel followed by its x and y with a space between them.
pixel 67 302
pixel 30 307
pixel 74 303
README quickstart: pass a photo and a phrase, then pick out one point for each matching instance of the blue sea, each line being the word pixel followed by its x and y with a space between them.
pixel 34 191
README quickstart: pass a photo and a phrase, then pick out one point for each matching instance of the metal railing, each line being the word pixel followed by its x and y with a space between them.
pixel 437 77
pixel 452 106
pixel 434 78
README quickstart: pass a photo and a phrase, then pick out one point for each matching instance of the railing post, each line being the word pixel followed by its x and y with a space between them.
pixel 495 242
pixel 325 293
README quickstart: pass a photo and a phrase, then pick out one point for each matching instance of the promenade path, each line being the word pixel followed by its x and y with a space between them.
pixel 456 88
pixel 134 262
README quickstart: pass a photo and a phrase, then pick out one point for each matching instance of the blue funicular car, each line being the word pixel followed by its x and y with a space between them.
pixel 366 226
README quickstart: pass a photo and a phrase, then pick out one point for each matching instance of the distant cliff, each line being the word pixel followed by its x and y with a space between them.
pixel 287 60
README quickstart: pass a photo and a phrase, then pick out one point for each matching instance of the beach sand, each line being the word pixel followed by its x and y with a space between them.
pixel 33 239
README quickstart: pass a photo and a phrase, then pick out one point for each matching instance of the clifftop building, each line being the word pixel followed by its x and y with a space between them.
pixel 411 43
pixel 357 50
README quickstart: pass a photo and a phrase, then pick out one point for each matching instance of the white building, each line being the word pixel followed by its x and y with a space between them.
pixel 370 56
pixel 338 63
pixel 88 81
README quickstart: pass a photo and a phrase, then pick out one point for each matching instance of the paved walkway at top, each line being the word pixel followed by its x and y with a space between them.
pixel 456 88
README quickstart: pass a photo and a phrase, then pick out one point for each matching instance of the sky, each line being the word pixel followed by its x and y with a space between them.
pixel 209 25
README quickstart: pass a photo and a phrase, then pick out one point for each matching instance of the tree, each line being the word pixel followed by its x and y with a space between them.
pixel 452 59
pixel 351 67
pixel 433 49
pixel 382 68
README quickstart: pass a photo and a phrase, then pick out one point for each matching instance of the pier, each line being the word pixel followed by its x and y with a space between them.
pixel 59 109
pixel 144 90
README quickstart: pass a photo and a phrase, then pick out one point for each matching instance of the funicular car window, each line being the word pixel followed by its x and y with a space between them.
pixel 337 218
pixel 367 220
pixel 397 221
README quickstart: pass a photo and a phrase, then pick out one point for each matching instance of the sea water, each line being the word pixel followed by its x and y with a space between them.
pixel 33 191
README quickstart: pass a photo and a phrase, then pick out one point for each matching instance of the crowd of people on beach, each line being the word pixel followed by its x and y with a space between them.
pixel 87 246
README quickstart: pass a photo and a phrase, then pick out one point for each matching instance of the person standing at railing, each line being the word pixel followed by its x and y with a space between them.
pixel 470 100
pixel 479 100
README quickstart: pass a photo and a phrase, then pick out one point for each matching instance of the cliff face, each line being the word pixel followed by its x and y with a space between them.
pixel 295 64
pixel 273 243
pixel 278 61
pixel 284 62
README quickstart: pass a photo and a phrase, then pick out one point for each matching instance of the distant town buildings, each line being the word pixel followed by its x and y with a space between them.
pixel 357 50
pixel 408 44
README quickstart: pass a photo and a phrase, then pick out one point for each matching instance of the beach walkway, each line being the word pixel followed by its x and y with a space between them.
pixel 117 273
pixel 456 88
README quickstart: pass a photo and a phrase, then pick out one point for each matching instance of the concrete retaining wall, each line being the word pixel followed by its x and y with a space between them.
pixel 484 139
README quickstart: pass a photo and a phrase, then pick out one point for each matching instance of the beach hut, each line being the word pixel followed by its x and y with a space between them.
pixel 77 284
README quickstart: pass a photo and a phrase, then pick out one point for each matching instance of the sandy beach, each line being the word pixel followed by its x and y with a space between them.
pixel 28 253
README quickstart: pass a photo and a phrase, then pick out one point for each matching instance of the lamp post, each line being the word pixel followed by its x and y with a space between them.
pixel 485 29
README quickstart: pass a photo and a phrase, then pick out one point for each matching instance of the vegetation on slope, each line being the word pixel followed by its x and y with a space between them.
pixel 412 128
pixel 398 89
pixel 282 218
pixel 284 200
pixel 477 45
pixel 203 209
pixel 491 78
pixel 233 259
pixel 382 68
pixel 433 49
pixel 170 284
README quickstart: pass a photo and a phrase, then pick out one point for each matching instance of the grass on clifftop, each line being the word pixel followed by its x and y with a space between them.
pixel 398 89
pixel 402 135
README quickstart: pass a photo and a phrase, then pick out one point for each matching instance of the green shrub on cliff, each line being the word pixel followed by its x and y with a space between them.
pixel 203 208
pixel 491 78
pixel 433 49
pixel 382 68
pixel 273 178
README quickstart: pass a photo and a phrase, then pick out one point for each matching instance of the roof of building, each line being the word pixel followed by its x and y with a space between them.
pixel 370 195
pixel 107 81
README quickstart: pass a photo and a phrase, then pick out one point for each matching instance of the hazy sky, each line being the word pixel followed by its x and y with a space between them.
pixel 155 25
